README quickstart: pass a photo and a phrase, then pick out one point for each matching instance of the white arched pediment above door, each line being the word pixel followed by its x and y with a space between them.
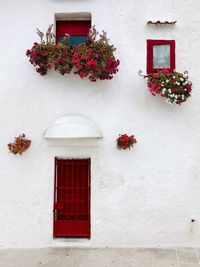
pixel 72 128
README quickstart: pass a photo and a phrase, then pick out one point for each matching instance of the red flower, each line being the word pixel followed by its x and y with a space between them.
pixel 49 65
pixel 91 64
pixel 84 57
pixel 165 70
pixel 34 54
pixel 174 90
pixel 75 54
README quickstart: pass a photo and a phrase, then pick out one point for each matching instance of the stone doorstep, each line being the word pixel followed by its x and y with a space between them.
pixel 99 257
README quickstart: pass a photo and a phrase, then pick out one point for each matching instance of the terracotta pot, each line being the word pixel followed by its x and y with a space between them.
pixel 123 146
pixel 27 144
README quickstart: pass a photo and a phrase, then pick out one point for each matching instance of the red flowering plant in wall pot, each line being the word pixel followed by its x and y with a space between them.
pixel 174 86
pixel 19 145
pixel 47 54
pixel 95 59
pixel 125 142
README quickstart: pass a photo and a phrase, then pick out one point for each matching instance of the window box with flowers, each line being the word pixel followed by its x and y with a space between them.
pixel 93 59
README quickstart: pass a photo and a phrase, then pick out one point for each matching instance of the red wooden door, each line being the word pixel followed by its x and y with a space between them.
pixel 72 198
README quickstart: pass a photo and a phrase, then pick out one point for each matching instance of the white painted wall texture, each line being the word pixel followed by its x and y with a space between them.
pixel 143 197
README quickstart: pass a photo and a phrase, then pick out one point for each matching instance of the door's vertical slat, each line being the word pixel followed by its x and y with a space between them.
pixel 85 189
pixel 78 188
pixel 55 186
pixel 61 184
pixel 67 191
pixel 73 190
pixel 89 196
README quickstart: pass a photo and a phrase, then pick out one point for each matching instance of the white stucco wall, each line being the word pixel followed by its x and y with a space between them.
pixel 143 197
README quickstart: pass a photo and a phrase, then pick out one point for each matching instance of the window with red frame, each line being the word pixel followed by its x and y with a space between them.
pixel 160 55
pixel 72 198
pixel 72 27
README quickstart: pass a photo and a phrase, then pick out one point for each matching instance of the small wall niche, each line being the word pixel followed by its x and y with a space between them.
pixel 72 28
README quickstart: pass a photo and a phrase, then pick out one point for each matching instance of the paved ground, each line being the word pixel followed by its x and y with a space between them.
pixel 63 257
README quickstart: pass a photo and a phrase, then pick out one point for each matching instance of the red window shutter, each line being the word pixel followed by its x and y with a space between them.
pixel 150 45
pixel 73 28
pixel 72 198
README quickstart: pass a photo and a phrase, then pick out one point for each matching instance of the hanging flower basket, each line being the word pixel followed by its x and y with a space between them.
pixel 19 145
pixel 175 87
pixel 93 59
pixel 125 142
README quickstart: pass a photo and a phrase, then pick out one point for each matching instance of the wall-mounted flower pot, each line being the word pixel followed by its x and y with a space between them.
pixel 20 145
pixel 125 142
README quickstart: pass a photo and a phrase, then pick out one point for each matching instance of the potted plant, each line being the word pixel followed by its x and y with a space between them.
pixel 19 145
pixel 125 142
pixel 175 87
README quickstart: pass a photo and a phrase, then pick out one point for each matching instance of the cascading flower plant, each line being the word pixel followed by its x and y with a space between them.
pixel 62 58
pixel 40 57
pixel 173 86
pixel 95 59
pixel 47 54
pixel 125 142
pixel 19 145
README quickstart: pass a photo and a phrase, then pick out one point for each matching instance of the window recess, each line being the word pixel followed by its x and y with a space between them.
pixel 160 55
pixel 72 28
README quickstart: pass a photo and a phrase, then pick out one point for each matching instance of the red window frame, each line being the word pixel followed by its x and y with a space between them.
pixel 150 45
pixel 72 198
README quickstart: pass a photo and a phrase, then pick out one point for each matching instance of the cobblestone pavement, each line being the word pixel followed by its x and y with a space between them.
pixel 108 257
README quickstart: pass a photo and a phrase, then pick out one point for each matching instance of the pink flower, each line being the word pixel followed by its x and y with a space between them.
pixel 84 57
pixel 34 54
pixel 49 66
pixel 82 74
pixel 92 64
pixel 75 54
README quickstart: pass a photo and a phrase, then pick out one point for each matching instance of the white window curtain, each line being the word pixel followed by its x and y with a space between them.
pixel 161 56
